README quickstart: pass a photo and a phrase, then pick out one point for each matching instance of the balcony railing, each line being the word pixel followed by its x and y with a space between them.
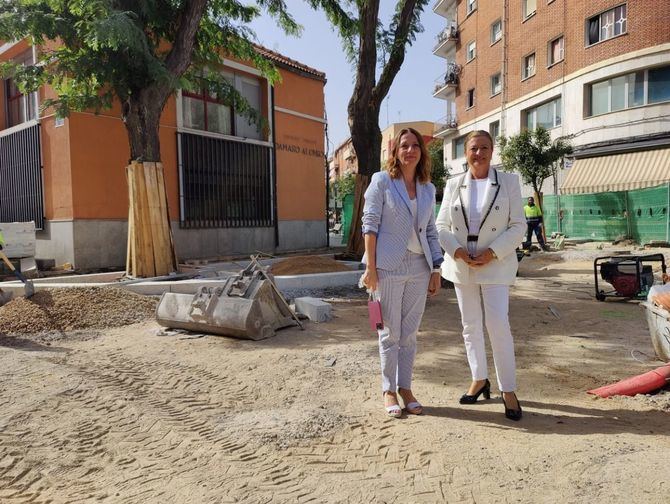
pixel 445 125
pixel 449 79
pixel 449 34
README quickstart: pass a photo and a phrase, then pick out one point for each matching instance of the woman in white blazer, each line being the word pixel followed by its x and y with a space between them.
pixel 480 225
pixel 402 258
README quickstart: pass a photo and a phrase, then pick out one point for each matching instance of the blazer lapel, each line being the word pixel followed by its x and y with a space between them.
pixel 492 190
pixel 464 197
pixel 399 184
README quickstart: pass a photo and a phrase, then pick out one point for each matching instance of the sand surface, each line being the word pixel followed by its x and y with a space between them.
pixel 302 265
pixel 140 415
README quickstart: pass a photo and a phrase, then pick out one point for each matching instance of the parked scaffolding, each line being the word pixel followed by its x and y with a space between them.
pixel 641 215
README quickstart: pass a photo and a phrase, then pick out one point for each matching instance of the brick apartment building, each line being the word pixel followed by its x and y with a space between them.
pixel 597 72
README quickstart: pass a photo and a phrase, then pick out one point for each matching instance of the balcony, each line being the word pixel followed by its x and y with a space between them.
pixel 446 84
pixel 445 8
pixel 445 126
pixel 446 41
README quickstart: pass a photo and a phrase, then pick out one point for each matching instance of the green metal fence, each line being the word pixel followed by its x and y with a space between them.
pixel 641 215
pixel 347 212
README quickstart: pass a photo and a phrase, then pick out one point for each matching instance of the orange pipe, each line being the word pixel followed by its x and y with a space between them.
pixel 641 384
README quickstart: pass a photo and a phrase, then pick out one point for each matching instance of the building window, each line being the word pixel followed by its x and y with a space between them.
pixel 658 85
pixel 604 26
pixel 471 51
pixel 458 147
pixel 470 98
pixel 21 107
pixel 496 31
pixel 202 110
pixel 548 115
pixel 556 51
pixel 494 129
pixel 528 66
pixel 529 8
pixel 471 6
pixel 496 84
pixel 629 90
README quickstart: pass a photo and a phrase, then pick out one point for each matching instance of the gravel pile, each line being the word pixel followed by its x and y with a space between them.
pixel 72 309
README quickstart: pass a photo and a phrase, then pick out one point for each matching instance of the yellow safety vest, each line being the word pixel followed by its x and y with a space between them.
pixel 532 211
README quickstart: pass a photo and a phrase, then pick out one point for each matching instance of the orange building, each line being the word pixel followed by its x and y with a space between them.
pixel 232 189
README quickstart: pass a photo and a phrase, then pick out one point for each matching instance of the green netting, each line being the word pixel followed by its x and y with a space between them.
pixel 347 211
pixel 641 215
pixel 595 216
pixel 550 214
pixel 648 210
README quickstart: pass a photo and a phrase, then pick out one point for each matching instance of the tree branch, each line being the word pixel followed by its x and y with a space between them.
pixel 367 58
pixel 179 58
pixel 397 56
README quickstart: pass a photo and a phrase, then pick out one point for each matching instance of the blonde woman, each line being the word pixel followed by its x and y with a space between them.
pixel 480 225
pixel 402 258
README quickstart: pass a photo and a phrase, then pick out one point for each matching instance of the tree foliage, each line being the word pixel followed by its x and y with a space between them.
pixel 344 186
pixel 533 155
pixel 439 169
pixel 139 52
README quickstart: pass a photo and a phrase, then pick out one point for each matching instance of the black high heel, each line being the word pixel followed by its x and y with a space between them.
pixel 512 414
pixel 471 399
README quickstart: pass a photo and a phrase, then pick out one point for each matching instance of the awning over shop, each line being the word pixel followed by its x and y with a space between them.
pixel 618 172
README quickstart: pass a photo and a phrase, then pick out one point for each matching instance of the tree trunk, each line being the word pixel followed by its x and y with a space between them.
pixel 367 140
pixel 367 97
pixel 539 199
pixel 141 115
pixel 150 245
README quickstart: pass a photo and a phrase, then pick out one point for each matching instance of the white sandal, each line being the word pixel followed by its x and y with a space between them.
pixel 394 411
pixel 414 408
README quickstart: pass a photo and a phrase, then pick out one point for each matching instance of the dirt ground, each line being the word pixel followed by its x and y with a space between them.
pixel 302 265
pixel 140 415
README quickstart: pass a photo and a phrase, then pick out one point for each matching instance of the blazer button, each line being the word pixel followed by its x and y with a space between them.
pixel 420 229
pixel 497 207
pixel 456 208
pixel 493 229
pixel 456 229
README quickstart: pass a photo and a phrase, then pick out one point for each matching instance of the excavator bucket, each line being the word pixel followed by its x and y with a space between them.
pixel 247 306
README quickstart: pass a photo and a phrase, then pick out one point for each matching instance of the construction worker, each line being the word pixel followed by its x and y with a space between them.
pixel 534 222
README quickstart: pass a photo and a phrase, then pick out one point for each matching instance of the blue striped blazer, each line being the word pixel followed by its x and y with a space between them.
pixel 388 214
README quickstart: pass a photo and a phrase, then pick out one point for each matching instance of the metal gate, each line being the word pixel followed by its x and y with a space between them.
pixel 21 187
pixel 224 183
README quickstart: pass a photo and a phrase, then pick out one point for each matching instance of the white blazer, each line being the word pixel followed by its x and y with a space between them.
pixel 502 228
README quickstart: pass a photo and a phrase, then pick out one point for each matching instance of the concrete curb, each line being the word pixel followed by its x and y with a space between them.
pixel 288 282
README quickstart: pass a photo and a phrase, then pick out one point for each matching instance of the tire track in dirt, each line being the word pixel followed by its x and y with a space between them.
pixel 140 422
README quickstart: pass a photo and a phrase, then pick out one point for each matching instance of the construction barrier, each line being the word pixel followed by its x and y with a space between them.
pixel 641 215
pixel 347 212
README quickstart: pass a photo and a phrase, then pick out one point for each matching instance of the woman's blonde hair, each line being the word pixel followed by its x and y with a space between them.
pixel 477 133
pixel 393 163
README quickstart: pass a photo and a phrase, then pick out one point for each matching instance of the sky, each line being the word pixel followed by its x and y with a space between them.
pixel 410 97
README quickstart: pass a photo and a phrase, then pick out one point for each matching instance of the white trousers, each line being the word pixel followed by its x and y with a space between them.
pixel 403 294
pixel 496 308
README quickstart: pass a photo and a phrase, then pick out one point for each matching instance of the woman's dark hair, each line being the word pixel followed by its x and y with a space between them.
pixel 393 163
